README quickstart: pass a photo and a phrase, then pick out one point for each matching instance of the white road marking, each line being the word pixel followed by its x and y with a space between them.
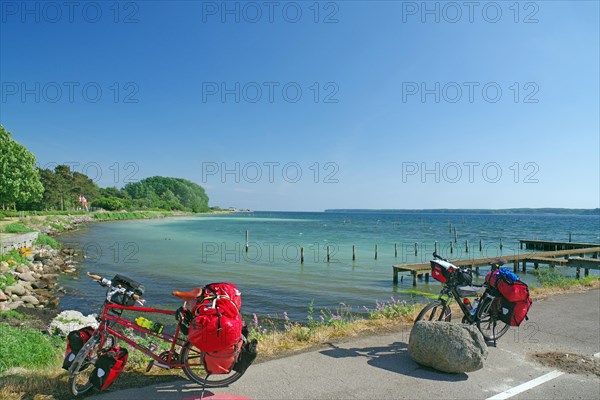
pixel 526 386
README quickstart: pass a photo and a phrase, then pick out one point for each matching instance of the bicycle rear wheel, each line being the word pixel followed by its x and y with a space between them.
pixel 488 323
pixel 192 359
pixel 435 311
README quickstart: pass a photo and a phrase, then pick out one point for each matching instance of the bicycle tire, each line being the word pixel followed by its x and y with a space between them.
pixel 488 324
pixel 445 314
pixel 78 383
pixel 193 372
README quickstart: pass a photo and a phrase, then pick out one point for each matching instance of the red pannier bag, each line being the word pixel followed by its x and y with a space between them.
pixel 222 361
pixel 217 323
pixel 512 290
pixel 75 341
pixel 513 313
pixel 109 366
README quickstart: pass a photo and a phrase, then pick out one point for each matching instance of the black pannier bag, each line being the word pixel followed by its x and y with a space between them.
pixel 247 355
pixel 464 276
pixel 75 342
pixel 129 285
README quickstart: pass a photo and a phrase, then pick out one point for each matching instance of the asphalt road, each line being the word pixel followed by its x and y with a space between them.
pixel 379 367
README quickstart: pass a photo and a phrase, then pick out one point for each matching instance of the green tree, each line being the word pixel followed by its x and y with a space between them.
pixel 168 193
pixel 18 174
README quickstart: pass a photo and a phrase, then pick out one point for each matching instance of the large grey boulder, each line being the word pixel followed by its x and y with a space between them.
pixel 15 289
pixel 447 347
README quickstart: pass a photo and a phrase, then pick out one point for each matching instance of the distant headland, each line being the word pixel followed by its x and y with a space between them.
pixel 555 211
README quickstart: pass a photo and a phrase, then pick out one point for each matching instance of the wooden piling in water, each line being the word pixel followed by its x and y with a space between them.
pixel 435 246
pixel 416 247
pixel 376 252
pixel 451 247
pixel 454 234
pixel 500 244
pixel 353 254
pixel 246 240
pixel 301 255
pixel 570 237
pixel 327 253
pixel 395 250
pixel 480 245
pixel 467 245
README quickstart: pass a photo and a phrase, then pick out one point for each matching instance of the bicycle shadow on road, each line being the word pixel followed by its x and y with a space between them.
pixel 394 358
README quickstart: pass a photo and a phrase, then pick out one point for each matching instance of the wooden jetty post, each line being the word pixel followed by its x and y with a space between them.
pixel 480 245
pixel 246 240
pixel 353 254
pixel 570 237
pixel 327 253
pixel 435 246
pixel 395 250
pixel 450 227
pixel 454 234
pixel 376 252
pixel 451 247
pixel 467 245
pixel 516 266
pixel 416 246
pixel 301 255
pixel 500 244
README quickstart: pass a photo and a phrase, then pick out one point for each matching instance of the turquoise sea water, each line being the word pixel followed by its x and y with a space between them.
pixel 181 253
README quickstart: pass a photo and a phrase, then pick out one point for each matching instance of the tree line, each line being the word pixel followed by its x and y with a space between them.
pixel 27 187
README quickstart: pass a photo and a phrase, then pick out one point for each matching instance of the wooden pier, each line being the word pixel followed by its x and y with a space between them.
pixel 547 245
pixel 552 258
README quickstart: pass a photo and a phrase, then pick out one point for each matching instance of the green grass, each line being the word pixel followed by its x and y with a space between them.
pixel 12 314
pixel 10 213
pixel 17 227
pixel 119 216
pixel 7 280
pixel 45 239
pixel 56 226
pixel 418 293
pixel 549 278
pixel 27 348
pixel 15 256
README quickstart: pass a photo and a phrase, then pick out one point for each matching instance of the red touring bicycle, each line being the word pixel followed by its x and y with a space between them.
pixel 181 354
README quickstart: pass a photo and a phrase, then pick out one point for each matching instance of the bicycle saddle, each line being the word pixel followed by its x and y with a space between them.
pixel 188 296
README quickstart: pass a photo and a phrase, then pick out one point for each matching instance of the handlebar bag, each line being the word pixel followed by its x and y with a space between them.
pixel 75 341
pixel 129 285
pixel 441 270
pixel 108 367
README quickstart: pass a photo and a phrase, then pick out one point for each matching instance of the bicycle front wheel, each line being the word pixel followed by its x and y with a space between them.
pixel 435 311
pixel 80 370
pixel 488 323
pixel 193 365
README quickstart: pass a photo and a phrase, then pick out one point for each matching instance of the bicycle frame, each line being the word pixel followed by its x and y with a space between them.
pixel 108 321
pixel 451 292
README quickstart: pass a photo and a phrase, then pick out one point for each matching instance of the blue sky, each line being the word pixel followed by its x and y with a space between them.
pixel 292 106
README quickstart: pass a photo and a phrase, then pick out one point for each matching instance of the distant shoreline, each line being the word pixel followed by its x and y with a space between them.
pixel 552 211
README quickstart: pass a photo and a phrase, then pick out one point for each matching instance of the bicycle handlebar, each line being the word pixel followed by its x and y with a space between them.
pixel 437 256
pixel 105 282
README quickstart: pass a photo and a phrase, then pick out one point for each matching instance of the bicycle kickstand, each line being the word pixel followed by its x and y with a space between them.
pixel 204 387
